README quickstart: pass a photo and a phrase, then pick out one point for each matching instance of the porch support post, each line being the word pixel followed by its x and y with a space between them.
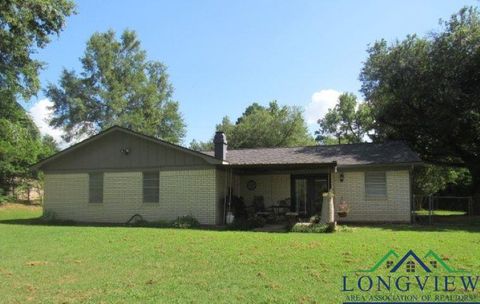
pixel 328 215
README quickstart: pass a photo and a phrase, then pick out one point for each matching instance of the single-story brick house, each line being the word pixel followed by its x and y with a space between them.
pixel 119 173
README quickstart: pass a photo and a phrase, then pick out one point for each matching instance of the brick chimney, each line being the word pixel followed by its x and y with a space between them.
pixel 220 142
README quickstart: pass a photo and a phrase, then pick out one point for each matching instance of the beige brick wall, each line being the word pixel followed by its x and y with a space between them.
pixel 394 208
pixel 182 192
pixel 199 192
pixel 273 187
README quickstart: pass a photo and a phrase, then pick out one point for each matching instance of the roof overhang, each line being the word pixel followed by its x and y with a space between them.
pixel 380 165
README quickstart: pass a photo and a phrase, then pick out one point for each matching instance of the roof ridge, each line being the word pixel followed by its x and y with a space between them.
pixel 313 146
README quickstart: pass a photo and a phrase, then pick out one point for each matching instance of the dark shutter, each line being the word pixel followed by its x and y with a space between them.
pixel 151 187
pixel 95 187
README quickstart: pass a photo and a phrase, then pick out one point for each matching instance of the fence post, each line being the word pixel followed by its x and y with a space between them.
pixel 430 207
pixel 470 206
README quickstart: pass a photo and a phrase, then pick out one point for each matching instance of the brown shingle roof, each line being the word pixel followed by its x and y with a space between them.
pixel 393 152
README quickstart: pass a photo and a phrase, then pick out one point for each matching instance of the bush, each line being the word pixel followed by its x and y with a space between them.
pixel 153 224
pixel 238 207
pixel 311 228
pixel 186 221
pixel 3 197
pixel 48 216
pixel 315 219
pixel 247 224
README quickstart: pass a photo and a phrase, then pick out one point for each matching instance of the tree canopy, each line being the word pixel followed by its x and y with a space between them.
pixel 26 25
pixel 260 126
pixel 426 91
pixel 348 122
pixel 21 145
pixel 117 86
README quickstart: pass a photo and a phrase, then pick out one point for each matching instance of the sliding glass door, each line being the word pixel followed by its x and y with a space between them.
pixel 307 193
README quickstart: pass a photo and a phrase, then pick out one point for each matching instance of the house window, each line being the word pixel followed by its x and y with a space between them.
pixel 375 184
pixel 95 188
pixel 434 264
pixel 410 266
pixel 151 187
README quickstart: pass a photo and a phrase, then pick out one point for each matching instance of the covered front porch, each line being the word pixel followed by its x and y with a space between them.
pixel 276 192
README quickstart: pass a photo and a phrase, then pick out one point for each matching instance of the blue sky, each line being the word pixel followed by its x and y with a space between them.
pixel 224 55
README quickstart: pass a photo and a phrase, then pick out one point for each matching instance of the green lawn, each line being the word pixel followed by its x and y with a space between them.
pixel 68 264
pixel 440 212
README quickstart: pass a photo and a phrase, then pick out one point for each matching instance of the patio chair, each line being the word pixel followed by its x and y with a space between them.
pixel 281 207
pixel 259 208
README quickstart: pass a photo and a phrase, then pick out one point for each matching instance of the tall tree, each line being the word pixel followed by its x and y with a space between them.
pixel 117 86
pixel 20 146
pixel 426 91
pixel 260 126
pixel 26 25
pixel 348 122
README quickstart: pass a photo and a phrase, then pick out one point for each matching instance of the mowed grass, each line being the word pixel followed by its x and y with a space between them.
pixel 78 264
pixel 441 212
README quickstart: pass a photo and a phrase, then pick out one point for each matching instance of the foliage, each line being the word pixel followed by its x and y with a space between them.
pixel 4 198
pixel 431 179
pixel 425 91
pixel 245 224
pixel 310 228
pixel 24 26
pixel 348 122
pixel 117 86
pixel 186 221
pixel 20 146
pixel 237 206
pixel 201 146
pixel 315 219
pixel 260 126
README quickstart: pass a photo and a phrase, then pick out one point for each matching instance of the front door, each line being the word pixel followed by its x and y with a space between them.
pixel 307 193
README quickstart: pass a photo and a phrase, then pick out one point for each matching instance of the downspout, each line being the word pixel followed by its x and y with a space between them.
pixel 412 202
pixel 225 198
pixel 230 192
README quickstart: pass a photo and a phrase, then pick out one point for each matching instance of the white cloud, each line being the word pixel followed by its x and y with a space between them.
pixel 40 114
pixel 319 105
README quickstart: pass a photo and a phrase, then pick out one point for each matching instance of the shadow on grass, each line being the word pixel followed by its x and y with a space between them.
pixel 435 227
pixel 472 225
pixel 39 221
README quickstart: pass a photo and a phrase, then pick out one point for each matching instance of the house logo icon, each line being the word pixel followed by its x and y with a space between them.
pixel 411 263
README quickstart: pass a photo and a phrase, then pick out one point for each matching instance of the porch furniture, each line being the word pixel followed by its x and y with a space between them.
pixel 259 208
pixel 292 218
pixel 282 207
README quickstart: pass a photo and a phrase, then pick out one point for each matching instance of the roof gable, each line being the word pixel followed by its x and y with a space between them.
pixel 106 150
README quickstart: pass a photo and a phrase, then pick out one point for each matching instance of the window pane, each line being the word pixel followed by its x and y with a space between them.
pixel 151 187
pixel 95 187
pixel 375 184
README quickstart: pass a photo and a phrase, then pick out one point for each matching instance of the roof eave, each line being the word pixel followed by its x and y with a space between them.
pixel 399 164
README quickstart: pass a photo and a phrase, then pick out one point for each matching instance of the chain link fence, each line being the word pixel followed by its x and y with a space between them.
pixel 429 209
